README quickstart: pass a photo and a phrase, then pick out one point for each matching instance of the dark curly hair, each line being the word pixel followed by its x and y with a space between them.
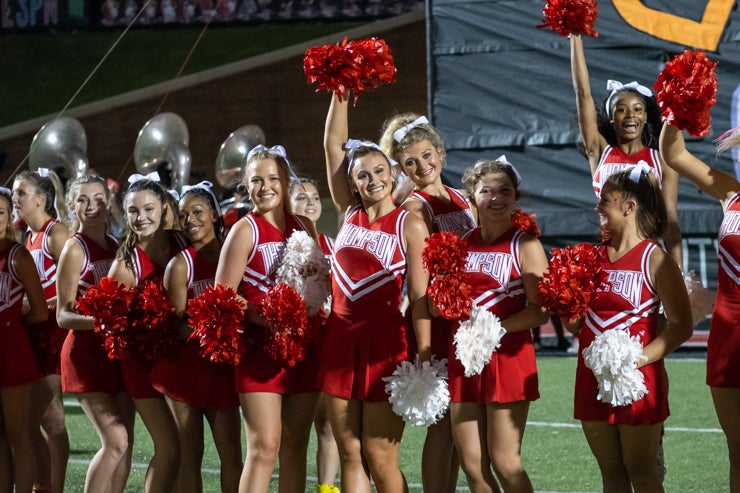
pixel 651 131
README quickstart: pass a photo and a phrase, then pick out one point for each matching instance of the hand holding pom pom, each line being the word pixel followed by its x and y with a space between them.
pixel 570 16
pixel 575 275
pixel 686 90
pixel 216 316
pixel 109 304
pixel 613 357
pixel 476 339
pixel 360 65
pixel 444 257
pixel 418 391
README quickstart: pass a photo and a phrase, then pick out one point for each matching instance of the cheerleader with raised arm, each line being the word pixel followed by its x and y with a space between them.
pixel 377 247
pixel 17 365
pixel 143 255
pixel 194 387
pixel 278 401
pixel 86 369
pixel 38 199
pixel 623 428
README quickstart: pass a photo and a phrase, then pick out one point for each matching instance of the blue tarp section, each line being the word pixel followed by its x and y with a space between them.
pixel 498 85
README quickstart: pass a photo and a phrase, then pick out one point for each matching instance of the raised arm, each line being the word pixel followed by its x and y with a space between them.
pixel 593 141
pixel 672 233
pixel 68 280
pixel 673 151
pixel 335 136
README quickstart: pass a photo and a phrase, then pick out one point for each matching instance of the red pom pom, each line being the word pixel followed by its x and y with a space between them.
pixel 360 65
pixel 289 333
pixel 109 304
pixel 525 222
pixel 576 274
pixel 444 257
pixel 216 316
pixel 570 16
pixel 152 321
pixel 686 90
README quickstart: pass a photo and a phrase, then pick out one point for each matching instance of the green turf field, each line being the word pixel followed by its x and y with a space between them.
pixel 555 452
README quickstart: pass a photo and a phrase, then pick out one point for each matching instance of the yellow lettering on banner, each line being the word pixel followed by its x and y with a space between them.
pixel 704 35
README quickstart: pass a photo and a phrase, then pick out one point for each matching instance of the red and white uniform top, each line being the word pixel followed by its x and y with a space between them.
pixel 327 245
pixel 613 160
pixel 728 276
pixel 629 300
pixel 369 262
pixel 45 264
pixel 96 260
pixel 455 216
pixel 266 255
pixel 201 272
pixel 11 289
pixel 494 273
pixel 145 269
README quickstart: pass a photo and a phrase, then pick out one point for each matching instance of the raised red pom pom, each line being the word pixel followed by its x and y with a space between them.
pixel 570 16
pixel 686 90
pixel 524 221
pixel 216 316
pixel 359 65
pixel 576 274
pixel 290 333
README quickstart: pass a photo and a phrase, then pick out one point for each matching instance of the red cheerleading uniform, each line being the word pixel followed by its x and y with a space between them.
pixel 629 301
pixel 327 245
pixel 613 160
pixel 494 274
pixel 85 364
pixel 17 364
pixel 455 216
pixel 136 371
pixel 365 336
pixel 185 375
pixel 47 337
pixel 257 371
pixel 723 347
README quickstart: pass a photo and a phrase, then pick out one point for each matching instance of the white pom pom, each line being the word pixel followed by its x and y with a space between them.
pixel 613 357
pixel 418 392
pixel 701 299
pixel 304 267
pixel 476 339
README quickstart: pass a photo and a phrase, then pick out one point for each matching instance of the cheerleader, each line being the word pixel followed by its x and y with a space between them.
pixel 378 246
pixel 86 369
pixel 144 253
pixel 305 201
pixel 489 411
pixel 622 133
pixel 38 200
pixel 193 387
pixel 625 438
pixel 723 347
pixel 417 146
pixel 17 366
pixel 277 403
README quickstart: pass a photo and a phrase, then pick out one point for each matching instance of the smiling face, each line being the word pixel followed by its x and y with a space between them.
pixel 495 196
pixel 197 219
pixel 90 204
pixel 611 208
pixel 6 218
pixel 422 162
pixel 143 212
pixel 266 184
pixel 628 116
pixel 305 201
pixel 372 178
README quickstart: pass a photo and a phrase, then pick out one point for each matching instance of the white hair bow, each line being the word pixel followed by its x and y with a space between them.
pixel 637 170
pixel 502 160
pixel 276 149
pixel 6 190
pixel 615 86
pixel 153 176
pixel 352 145
pixel 43 172
pixel 399 134
pixel 208 187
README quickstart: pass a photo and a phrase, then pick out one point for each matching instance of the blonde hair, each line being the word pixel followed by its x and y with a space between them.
pixel 10 231
pixel 51 188
pixel 424 131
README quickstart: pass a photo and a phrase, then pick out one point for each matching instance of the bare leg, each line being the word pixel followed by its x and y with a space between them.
pixel 506 424
pixel 225 428
pixel 327 455
pixel 346 423
pixel 469 424
pixel 727 406
pixel 15 403
pixel 639 455
pixel 382 430
pixel 262 422
pixel 439 462
pixel 189 422
pixel 605 444
pixel 53 424
pixel 297 417
pixel 162 471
